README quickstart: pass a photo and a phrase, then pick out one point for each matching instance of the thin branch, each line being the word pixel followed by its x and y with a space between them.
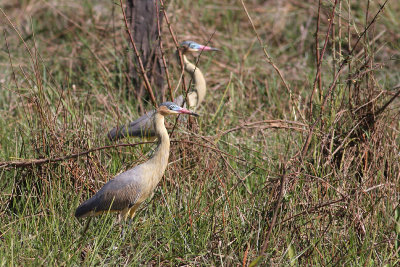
pixel 269 59
pixel 313 209
pixel 276 210
pixel 333 84
pixel 34 162
pixel 304 149
pixel 278 124
pixel 320 57
pixel 381 109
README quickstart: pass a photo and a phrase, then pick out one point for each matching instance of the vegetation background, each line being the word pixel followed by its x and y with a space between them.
pixel 294 161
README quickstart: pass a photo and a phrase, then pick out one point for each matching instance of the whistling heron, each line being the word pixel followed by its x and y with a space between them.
pixel 142 127
pixel 125 192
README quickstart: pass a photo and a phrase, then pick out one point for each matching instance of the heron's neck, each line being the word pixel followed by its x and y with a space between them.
pixel 198 80
pixel 160 156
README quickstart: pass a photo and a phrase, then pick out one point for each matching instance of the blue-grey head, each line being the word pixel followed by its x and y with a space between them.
pixel 190 46
pixel 170 108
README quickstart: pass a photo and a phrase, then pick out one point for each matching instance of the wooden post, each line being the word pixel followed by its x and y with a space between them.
pixel 142 18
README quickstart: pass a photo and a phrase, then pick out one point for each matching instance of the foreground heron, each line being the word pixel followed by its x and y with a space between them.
pixel 142 127
pixel 125 192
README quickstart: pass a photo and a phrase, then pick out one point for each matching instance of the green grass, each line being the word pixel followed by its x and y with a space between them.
pixel 216 202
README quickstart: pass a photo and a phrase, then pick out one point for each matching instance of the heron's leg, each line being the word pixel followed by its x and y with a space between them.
pixel 131 214
pixel 124 214
pixel 130 222
pixel 132 211
pixel 86 226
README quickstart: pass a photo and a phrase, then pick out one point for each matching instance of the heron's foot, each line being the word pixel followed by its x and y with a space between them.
pixel 130 222
pixel 122 235
pixel 125 225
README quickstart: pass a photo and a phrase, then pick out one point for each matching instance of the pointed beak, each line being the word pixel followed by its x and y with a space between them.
pixel 207 48
pixel 186 111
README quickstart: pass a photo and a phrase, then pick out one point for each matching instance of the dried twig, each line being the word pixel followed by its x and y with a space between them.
pixel 300 155
pixel 320 57
pixel 277 206
pixel 33 162
pixel 278 124
pixel 333 84
pixel 268 57
pixel 313 209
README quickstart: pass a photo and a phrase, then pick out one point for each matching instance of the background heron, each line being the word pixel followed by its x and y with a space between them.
pixel 125 192
pixel 197 94
pixel 142 127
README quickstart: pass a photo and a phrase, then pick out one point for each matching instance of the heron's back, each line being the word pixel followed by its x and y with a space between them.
pixel 142 127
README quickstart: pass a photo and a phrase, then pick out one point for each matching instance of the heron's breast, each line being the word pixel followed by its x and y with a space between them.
pixel 149 184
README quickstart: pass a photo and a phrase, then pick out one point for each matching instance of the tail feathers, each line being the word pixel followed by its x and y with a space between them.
pixel 85 209
pixel 117 133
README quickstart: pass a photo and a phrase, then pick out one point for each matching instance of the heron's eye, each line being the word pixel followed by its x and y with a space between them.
pixel 173 107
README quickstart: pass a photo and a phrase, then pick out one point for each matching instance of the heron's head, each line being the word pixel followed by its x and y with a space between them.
pixel 190 46
pixel 170 108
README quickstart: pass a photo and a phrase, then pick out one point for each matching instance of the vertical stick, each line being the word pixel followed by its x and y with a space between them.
pixel 317 78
